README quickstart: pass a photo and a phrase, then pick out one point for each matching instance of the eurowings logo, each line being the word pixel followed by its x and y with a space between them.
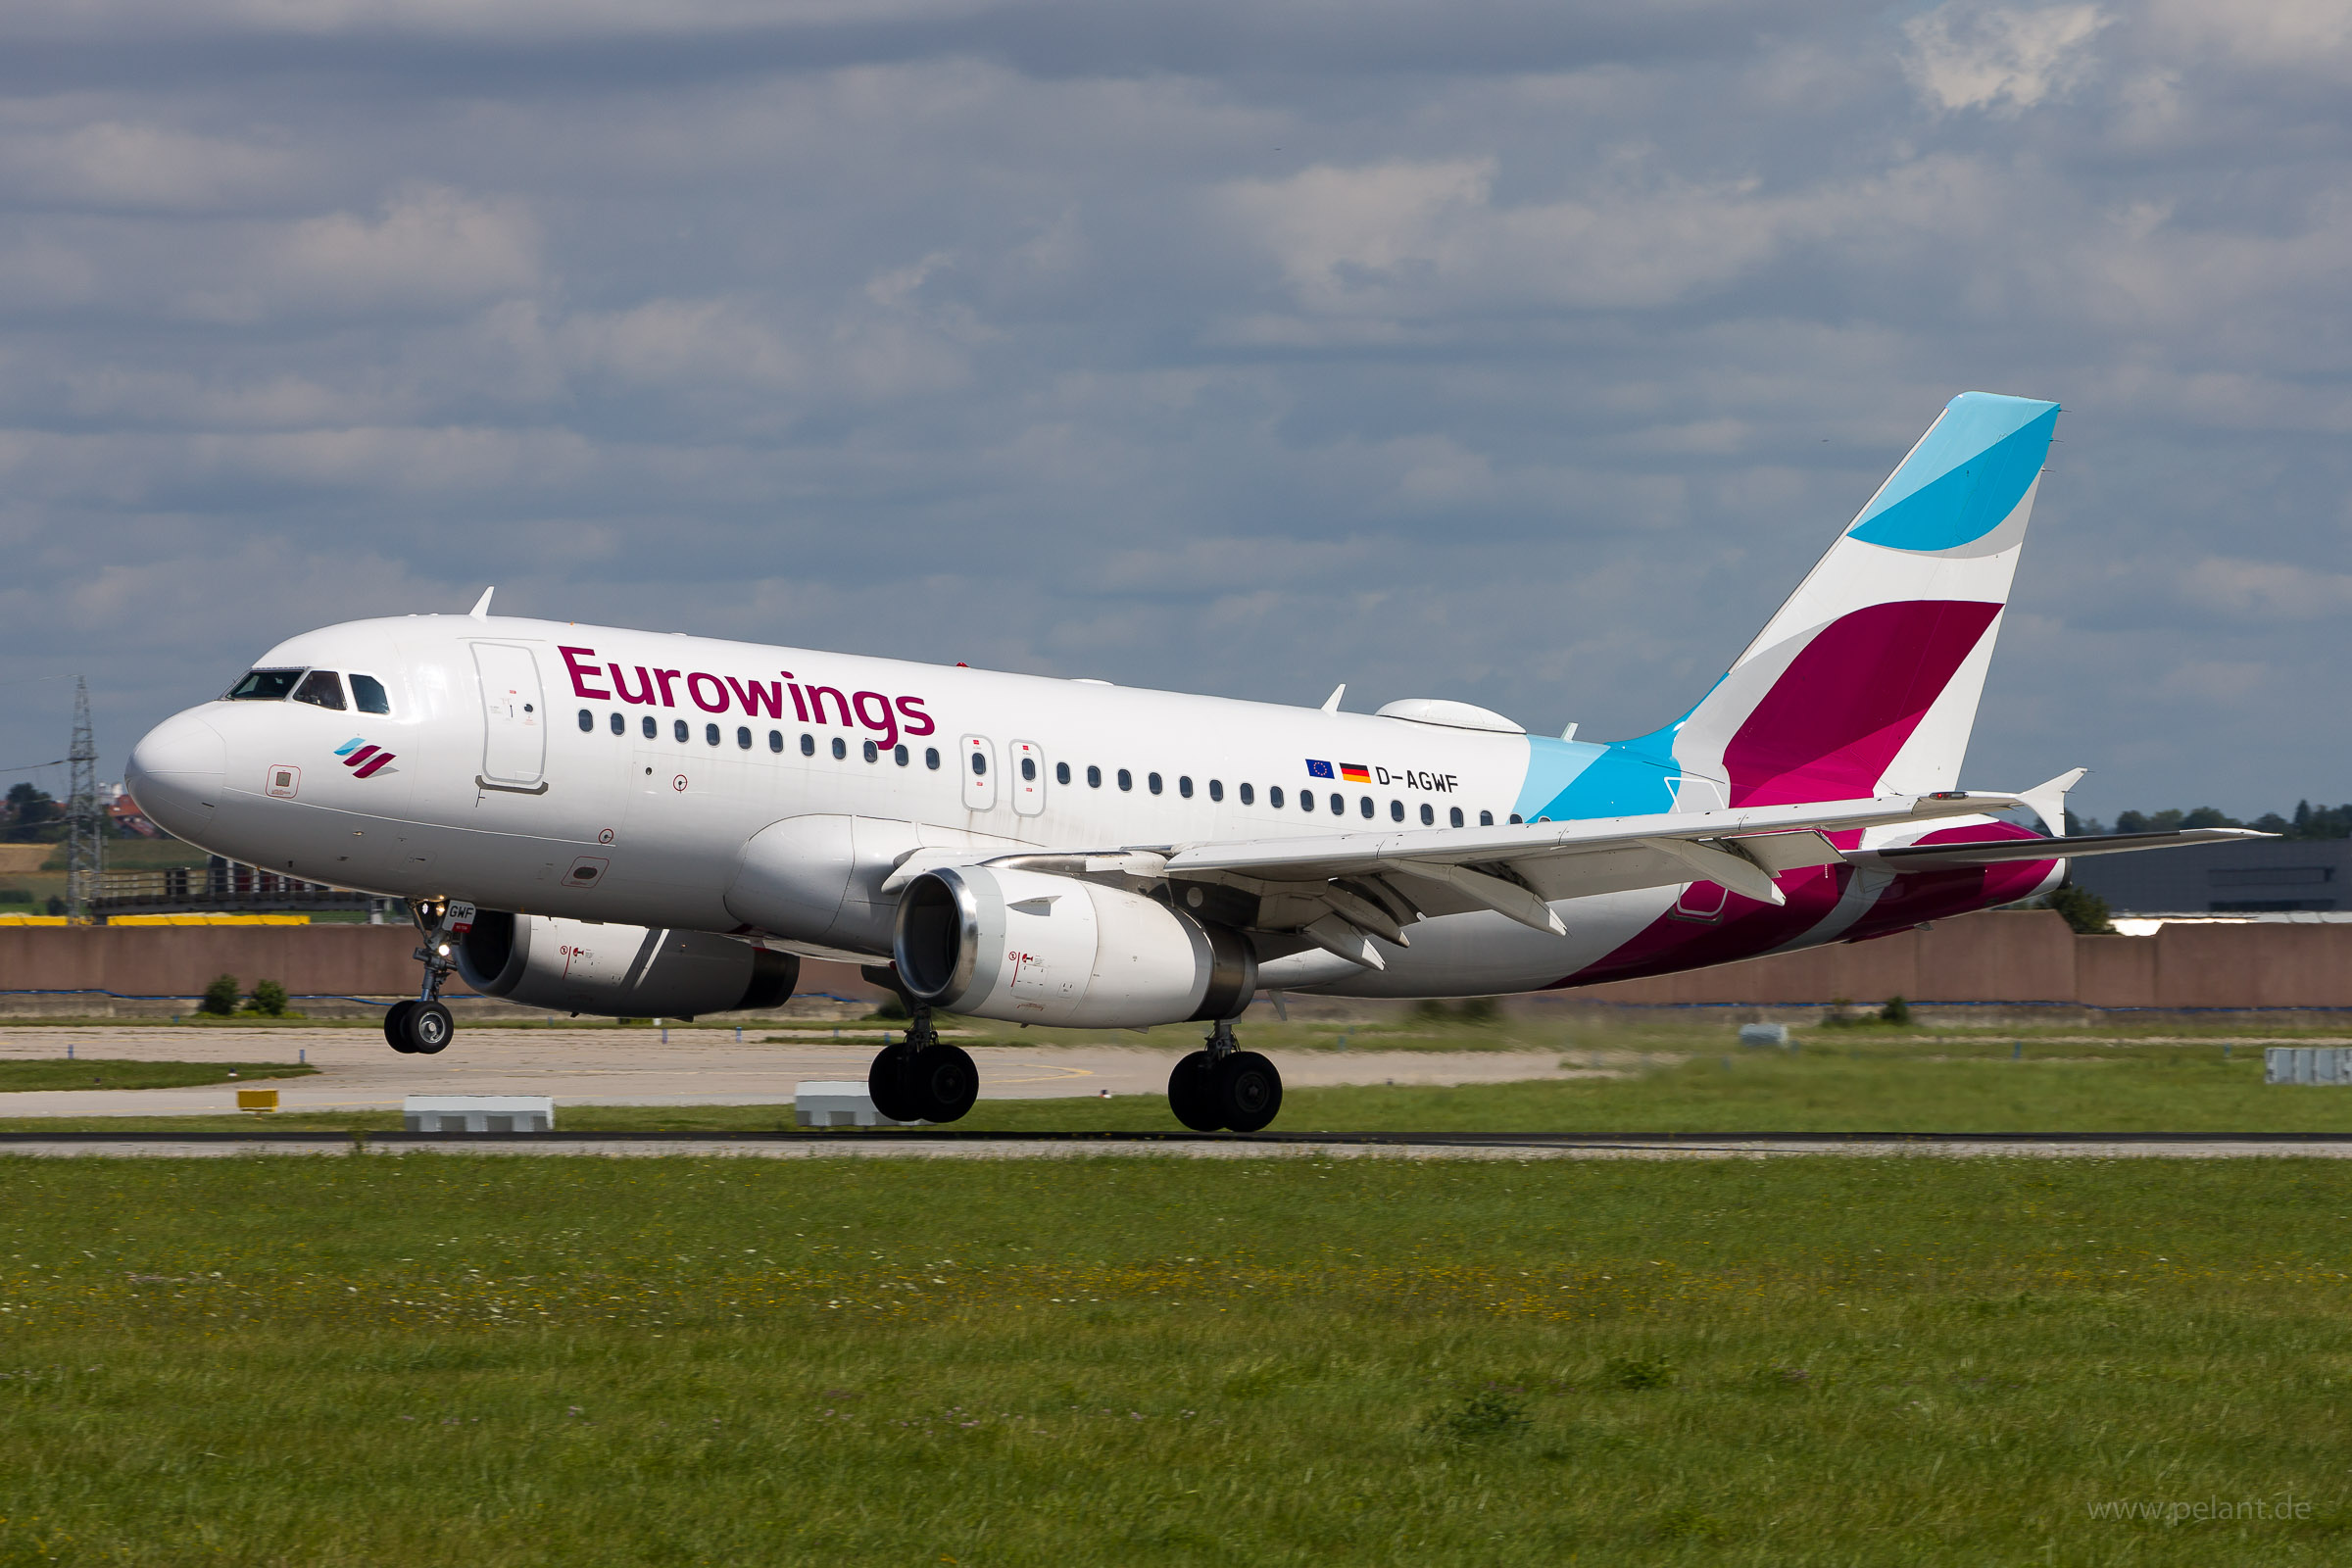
pixel 364 760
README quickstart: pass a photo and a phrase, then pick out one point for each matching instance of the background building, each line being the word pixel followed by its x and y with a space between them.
pixel 2259 876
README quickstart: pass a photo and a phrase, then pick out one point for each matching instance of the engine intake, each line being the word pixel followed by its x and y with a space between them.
pixel 1028 946
pixel 619 971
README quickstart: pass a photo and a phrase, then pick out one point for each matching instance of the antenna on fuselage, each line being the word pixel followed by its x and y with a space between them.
pixel 1331 704
pixel 482 606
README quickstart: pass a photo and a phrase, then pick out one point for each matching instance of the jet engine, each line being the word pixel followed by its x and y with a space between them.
pixel 619 971
pixel 1029 946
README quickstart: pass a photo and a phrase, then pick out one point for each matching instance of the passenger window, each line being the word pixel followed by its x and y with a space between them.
pixel 1429 814
pixel 897 754
pixel 1184 785
pixel 1306 799
pixel 1339 807
pixel 265 686
pixel 1062 772
pixel 1367 804
pixel 677 731
pixel 1248 796
pixel 1514 819
pixel 620 726
pixel 1153 779
pixel 1455 817
pixel 1486 819
pixel 931 757
pixel 587 723
pixel 873 753
pixel 1126 779
pixel 1216 788
pixel 775 740
pixel 1273 796
pixel 650 728
pixel 1094 777
pixel 808 746
pixel 979 765
pixel 743 738
pixel 1396 811
pixel 368 693
pixel 322 688
pixel 1029 770
pixel 841 749
pixel 711 734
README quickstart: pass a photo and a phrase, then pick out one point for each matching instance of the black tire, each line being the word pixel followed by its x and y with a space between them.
pixel 1247 1092
pixel 429 1028
pixel 946 1082
pixel 396 1027
pixel 1192 1093
pixel 887 1087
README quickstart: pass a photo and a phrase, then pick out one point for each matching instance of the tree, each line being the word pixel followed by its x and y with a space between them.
pixel 2083 910
pixel 270 999
pixel 220 996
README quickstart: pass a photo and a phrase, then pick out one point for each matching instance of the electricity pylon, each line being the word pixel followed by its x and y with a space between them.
pixel 85 816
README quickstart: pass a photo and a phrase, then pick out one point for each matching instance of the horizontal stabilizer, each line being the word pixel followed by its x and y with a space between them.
pixel 1999 851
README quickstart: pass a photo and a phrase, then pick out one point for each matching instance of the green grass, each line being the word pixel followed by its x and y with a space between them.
pixel 1870 1085
pixel 579 1362
pixel 95 1072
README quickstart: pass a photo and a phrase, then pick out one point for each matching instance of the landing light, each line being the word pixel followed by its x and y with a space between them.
pixel 443 950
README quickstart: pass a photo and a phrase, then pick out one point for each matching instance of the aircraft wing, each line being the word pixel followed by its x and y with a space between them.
pixel 1337 891
pixel 1957 856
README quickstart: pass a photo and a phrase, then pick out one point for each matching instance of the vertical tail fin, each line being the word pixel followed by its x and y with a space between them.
pixel 1865 681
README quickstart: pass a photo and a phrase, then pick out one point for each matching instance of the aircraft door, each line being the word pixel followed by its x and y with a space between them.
pixel 1027 780
pixel 515 719
pixel 979 773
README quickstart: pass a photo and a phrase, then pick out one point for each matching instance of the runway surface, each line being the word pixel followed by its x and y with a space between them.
pixel 609 1066
pixel 946 1144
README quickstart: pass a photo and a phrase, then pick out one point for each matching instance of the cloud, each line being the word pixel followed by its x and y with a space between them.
pixel 2000 57
pixel 1523 353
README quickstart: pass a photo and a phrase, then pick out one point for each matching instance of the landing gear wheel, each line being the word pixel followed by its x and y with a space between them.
pixel 1191 1093
pixel 887 1084
pixel 1246 1091
pixel 429 1027
pixel 396 1027
pixel 945 1081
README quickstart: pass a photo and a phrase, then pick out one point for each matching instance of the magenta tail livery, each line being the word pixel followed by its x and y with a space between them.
pixel 619 822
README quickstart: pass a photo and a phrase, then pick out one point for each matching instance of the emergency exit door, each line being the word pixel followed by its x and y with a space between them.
pixel 513 717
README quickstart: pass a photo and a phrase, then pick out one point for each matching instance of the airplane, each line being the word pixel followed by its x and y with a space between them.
pixel 631 823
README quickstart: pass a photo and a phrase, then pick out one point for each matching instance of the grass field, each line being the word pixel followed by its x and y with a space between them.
pixel 1858 1083
pixel 577 1361
pixel 98 1072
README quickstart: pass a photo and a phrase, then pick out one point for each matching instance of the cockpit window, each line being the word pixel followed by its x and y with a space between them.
pixel 368 693
pixel 265 686
pixel 322 686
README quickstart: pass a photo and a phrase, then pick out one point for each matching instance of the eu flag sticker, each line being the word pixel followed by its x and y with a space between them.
pixel 1315 769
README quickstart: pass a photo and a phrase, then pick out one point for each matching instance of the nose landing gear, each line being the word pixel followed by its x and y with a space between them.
pixel 1222 1085
pixel 423 1027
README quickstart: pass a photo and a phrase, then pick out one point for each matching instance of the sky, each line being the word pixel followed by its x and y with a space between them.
pixel 1523 353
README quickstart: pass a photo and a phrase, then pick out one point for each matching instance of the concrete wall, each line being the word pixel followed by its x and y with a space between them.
pixel 178 962
pixel 2032 957
pixel 2025 957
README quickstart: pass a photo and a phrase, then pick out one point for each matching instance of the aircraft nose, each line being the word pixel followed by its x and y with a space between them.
pixel 175 772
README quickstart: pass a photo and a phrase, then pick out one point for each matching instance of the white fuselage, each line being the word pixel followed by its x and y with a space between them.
pixel 607 775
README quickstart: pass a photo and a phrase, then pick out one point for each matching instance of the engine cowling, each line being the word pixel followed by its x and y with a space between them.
pixel 1028 946
pixel 619 971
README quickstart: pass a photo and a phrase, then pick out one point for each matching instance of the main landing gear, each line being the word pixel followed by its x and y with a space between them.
pixel 923 1078
pixel 423 1027
pixel 1224 1087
